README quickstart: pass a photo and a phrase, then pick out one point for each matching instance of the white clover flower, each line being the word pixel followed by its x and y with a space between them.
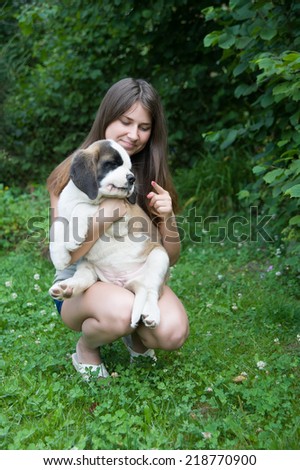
pixel 37 341
pixel 209 389
pixel 276 340
pixel 43 312
pixel 298 338
pixel 240 295
pixel 261 365
pixel 29 304
pixel 36 277
pixel 208 305
pixel 220 277
pixel 278 273
pixel 37 288
pixel 8 283
pixel 14 295
pixel 207 435
pixel 234 307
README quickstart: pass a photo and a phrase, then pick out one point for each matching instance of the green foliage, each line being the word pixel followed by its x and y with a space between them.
pixel 24 217
pixel 71 54
pixel 212 184
pixel 191 399
pixel 260 57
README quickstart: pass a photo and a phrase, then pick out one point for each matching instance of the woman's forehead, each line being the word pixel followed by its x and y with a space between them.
pixel 137 112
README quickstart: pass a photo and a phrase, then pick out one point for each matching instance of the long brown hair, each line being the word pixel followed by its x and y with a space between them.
pixel 148 165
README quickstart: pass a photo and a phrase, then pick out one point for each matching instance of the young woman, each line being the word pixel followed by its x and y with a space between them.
pixel 131 114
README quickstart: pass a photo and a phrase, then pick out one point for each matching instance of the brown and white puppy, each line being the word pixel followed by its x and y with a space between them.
pixel 129 253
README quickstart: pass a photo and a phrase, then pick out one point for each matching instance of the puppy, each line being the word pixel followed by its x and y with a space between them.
pixel 129 253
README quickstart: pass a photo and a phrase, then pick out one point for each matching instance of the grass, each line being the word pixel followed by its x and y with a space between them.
pixel 233 385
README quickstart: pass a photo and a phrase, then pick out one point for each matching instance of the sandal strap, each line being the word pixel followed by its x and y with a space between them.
pixel 86 370
pixel 133 354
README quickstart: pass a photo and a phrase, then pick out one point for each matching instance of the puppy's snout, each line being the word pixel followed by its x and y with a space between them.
pixel 130 179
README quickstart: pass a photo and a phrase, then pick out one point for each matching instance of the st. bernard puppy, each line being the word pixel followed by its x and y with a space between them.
pixel 129 253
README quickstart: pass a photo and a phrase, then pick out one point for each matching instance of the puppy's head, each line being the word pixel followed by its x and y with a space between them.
pixel 103 170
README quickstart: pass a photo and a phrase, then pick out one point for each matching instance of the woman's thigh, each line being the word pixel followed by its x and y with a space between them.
pixel 107 303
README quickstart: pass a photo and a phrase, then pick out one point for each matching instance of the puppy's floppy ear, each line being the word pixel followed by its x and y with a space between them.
pixel 132 199
pixel 83 173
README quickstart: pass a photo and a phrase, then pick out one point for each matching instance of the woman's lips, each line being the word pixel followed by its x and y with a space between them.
pixel 127 145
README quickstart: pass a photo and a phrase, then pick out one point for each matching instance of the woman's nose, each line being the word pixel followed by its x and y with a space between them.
pixel 133 133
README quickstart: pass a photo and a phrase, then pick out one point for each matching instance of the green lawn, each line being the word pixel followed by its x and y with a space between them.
pixel 233 385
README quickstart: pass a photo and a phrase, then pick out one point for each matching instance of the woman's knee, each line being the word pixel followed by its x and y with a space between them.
pixel 168 335
pixel 173 339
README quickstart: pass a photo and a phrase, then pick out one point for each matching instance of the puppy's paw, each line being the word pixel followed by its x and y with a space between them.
pixel 61 291
pixel 135 321
pixel 151 315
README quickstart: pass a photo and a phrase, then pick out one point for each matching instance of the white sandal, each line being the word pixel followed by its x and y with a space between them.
pixel 133 355
pixel 89 370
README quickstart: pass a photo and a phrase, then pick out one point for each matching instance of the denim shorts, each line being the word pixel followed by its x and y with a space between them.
pixel 58 304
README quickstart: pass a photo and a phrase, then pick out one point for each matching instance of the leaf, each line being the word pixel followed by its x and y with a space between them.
pixel 282 88
pixel 240 69
pixel 226 40
pixel 272 175
pixel 243 42
pixel 244 90
pixel 294 191
pixel 258 169
pixel 267 33
pixel 244 194
pixel 231 136
pixel 295 167
pixel 295 220
pixel 211 39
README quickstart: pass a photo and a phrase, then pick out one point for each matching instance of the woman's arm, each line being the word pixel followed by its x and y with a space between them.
pixel 160 203
pixel 108 212
pixel 170 237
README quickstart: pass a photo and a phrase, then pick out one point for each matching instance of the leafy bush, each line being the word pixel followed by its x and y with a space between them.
pixel 71 53
pixel 259 41
pixel 213 182
pixel 24 217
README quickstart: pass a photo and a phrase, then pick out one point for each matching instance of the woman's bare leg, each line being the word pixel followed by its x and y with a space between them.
pixel 103 315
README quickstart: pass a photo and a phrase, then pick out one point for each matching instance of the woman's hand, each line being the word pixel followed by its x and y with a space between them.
pixel 160 202
pixel 108 212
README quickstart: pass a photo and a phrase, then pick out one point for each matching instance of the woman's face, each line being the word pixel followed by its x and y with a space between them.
pixel 132 130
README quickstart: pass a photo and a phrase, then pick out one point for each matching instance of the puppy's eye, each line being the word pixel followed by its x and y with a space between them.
pixel 108 166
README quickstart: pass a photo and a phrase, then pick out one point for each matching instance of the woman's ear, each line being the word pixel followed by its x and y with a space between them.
pixel 83 173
